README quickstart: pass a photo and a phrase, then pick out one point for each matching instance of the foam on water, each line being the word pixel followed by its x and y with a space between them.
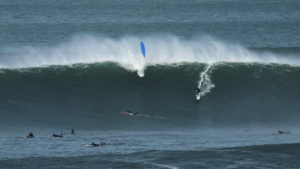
pixel 161 49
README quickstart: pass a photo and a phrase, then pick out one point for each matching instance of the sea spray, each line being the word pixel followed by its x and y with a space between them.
pixel 125 51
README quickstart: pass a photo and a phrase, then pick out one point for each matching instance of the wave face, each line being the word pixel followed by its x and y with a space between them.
pixel 94 95
pixel 88 81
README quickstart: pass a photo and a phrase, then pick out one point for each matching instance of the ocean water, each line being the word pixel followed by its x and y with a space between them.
pixel 77 65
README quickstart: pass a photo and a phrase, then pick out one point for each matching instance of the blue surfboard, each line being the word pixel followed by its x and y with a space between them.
pixel 143 49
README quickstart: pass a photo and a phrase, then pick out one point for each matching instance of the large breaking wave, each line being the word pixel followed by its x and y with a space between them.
pixel 91 80
pixel 164 49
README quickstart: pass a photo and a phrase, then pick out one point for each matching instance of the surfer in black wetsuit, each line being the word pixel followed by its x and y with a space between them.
pixel 30 134
pixel 281 132
pixel 72 132
pixel 102 144
pixel 197 90
pixel 55 135
pixel 128 111
pixel 95 144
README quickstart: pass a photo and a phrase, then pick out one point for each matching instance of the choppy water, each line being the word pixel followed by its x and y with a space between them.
pixel 177 149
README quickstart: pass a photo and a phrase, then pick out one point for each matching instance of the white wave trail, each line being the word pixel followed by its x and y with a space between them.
pixel 205 83
pixel 161 49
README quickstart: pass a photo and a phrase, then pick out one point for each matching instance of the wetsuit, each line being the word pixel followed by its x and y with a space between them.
pixel 95 144
pixel 197 90
pixel 55 135
pixel 281 132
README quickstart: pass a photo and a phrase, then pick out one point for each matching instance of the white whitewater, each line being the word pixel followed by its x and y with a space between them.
pixel 205 83
pixel 161 50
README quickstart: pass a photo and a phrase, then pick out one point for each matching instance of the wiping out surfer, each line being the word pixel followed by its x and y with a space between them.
pixel 56 135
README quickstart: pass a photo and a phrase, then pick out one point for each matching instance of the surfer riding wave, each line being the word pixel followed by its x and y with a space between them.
pixel 197 90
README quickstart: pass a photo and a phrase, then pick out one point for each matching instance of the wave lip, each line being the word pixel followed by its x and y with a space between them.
pixel 161 50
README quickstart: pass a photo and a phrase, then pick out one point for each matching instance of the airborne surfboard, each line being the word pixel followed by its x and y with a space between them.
pixel 143 49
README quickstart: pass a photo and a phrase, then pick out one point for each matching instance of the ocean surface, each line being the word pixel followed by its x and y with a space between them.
pixel 74 64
